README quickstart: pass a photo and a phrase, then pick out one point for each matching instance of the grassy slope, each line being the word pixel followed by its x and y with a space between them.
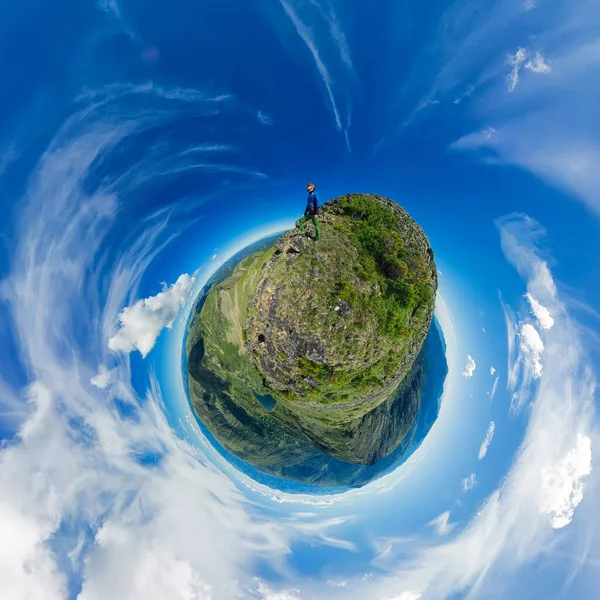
pixel 222 317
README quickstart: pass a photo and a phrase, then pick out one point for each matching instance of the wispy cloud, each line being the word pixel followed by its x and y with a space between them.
pixel 475 140
pixel 546 128
pixel 336 31
pixel 487 441
pixel 523 59
pixel 114 91
pixel 468 483
pixel 111 7
pixel 264 118
pixel 538 64
pixel 319 27
pixel 8 155
pixel 492 370
pixel 442 525
pixel 306 36
pixel 516 61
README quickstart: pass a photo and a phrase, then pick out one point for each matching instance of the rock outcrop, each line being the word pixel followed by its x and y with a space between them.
pixel 316 324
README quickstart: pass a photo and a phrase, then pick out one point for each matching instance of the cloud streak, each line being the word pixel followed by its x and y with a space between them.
pixel 489 436
pixel 306 36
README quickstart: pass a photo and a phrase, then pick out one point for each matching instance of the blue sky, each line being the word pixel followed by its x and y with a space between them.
pixel 142 146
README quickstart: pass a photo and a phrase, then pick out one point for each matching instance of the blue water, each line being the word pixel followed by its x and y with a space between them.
pixel 266 400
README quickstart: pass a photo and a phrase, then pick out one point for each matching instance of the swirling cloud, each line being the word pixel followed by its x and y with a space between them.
pixel 109 493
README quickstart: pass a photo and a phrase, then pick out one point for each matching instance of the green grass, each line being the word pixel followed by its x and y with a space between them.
pixel 223 314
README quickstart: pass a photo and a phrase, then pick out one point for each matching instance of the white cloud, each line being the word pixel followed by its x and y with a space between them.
pixel 468 483
pixel 8 156
pixel 441 524
pixel 469 367
pixel 110 6
pixel 104 378
pixel 563 483
pixel 492 370
pixel 339 37
pixel 516 61
pixel 537 64
pixel 264 118
pixel 566 160
pixel 267 593
pixel 77 505
pixel 494 388
pixel 487 441
pixel 532 347
pixel 409 595
pixel 541 313
pixel 475 140
pixel 142 323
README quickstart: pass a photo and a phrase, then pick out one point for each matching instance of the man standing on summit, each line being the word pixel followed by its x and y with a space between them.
pixel 312 210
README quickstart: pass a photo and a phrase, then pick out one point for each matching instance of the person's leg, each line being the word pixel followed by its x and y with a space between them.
pixel 301 223
pixel 315 220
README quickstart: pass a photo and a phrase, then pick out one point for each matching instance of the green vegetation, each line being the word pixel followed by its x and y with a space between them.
pixel 343 384
pixel 400 274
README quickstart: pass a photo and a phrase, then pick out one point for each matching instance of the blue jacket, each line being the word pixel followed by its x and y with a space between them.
pixel 312 204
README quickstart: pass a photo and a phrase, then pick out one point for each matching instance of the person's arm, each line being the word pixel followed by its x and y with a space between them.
pixel 316 203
